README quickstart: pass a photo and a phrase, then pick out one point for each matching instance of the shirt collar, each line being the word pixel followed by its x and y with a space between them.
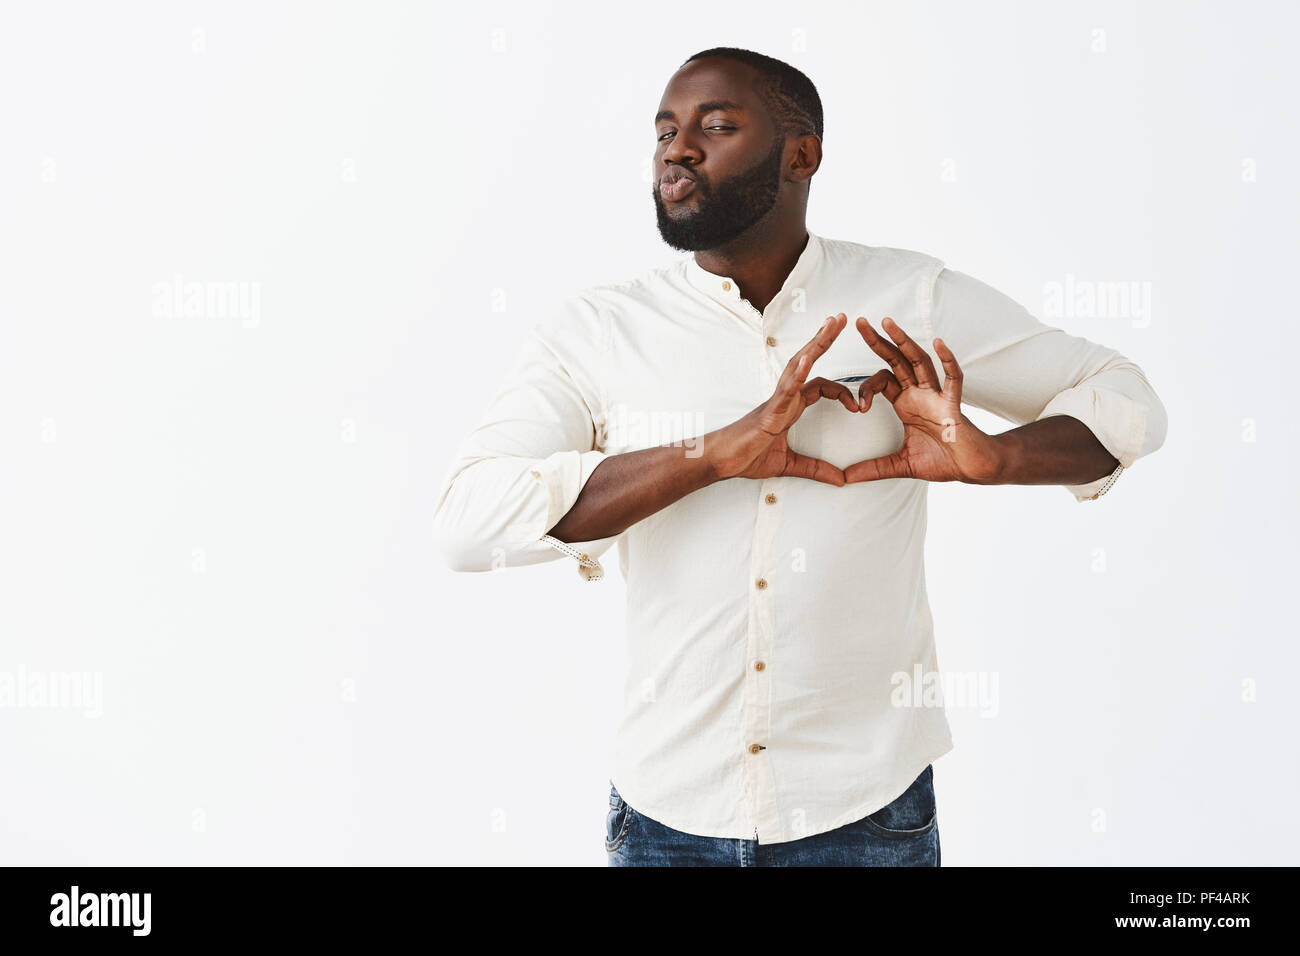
pixel 725 289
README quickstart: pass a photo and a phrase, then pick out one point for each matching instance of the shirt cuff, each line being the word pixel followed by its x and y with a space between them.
pixel 563 476
pixel 1118 422
pixel 588 567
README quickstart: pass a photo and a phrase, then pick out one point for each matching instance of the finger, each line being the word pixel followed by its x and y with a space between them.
pixel 801 466
pixel 820 342
pixel 889 352
pixel 873 469
pixel 792 379
pixel 801 368
pixel 882 381
pixel 796 370
pixel 951 370
pixel 818 388
pixel 926 376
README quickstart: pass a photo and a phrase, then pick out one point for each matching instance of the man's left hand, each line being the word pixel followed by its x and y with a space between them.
pixel 939 442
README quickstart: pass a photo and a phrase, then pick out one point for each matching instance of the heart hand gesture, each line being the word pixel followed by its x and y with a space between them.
pixel 939 442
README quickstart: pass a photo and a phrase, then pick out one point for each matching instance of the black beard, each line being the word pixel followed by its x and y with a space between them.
pixel 725 213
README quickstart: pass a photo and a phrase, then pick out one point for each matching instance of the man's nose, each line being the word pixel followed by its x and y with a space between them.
pixel 681 150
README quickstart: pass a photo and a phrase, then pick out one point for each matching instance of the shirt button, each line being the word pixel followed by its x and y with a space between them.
pixel 770 498
pixel 759 665
pixel 754 748
pixel 760 583
pixel 726 287
pixel 771 342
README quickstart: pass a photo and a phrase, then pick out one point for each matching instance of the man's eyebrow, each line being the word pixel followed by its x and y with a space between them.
pixel 703 108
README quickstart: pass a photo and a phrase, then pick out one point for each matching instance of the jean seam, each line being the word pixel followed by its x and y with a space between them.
pixel 888 834
pixel 622 833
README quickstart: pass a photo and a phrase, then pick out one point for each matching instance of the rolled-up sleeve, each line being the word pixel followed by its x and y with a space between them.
pixel 1023 370
pixel 521 470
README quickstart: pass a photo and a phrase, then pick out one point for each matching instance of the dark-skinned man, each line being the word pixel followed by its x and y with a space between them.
pixel 764 475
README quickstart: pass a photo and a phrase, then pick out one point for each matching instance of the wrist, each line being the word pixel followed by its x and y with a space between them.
pixel 714 456
pixel 1007 455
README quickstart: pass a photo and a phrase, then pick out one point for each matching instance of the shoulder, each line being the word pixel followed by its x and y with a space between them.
pixel 578 319
pixel 583 321
pixel 646 289
pixel 840 252
pixel 886 270
pixel 597 310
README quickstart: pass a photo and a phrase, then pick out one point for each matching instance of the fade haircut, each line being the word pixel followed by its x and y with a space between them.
pixel 790 96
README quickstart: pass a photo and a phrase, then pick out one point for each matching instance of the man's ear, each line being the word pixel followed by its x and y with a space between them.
pixel 807 158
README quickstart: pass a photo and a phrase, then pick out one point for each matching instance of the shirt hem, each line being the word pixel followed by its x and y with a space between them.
pixel 853 815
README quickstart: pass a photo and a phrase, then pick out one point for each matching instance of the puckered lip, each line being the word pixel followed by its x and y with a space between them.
pixel 675 173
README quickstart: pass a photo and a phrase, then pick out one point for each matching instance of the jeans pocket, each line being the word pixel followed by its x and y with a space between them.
pixel 913 814
pixel 617 821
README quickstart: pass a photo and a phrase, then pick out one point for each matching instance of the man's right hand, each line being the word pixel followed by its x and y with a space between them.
pixel 755 446
pixel 625 488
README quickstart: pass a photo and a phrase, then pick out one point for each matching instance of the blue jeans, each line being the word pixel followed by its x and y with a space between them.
pixel 903 833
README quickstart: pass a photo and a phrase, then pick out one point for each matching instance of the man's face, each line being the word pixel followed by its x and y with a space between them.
pixel 714 130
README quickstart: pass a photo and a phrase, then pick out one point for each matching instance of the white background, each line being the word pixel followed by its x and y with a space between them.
pixel 228 518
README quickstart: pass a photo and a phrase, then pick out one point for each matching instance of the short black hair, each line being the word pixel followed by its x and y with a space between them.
pixel 790 96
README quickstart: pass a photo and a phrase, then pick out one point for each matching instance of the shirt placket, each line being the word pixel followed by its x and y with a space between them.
pixel 765 580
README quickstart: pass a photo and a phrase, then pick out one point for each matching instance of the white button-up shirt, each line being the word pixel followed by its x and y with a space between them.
pixel 766 619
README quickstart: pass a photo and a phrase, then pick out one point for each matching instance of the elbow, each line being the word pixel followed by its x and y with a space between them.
pixel 454 548
pixel 455 555
pixel 1157 426
pixel 483 524
pixel 452 541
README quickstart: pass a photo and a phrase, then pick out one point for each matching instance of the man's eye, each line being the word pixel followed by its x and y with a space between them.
pixel 664 136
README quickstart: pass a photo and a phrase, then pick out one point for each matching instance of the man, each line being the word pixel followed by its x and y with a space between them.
pixel 771 522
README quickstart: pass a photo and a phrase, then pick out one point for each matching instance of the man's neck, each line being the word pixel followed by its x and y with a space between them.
pixel 758 261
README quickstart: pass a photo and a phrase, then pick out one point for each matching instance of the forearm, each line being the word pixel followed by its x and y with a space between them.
pixel 1059 450
pixel 627 488
pixel 624 489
